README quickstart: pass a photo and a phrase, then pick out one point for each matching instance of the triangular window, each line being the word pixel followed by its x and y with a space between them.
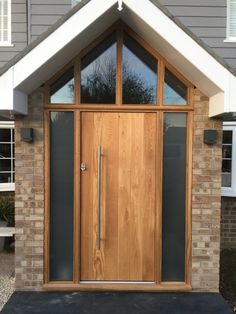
pixel 120 69
pixel 98 74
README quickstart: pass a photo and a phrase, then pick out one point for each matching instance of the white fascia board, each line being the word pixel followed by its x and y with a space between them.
pixel 224 102
pixel 6 90
pixel 232 94
pixel 60 38
pixel 216 104
pixel 180 40
pixel 11 100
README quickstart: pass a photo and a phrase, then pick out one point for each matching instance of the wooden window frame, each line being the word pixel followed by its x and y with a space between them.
pixel 120 28
pixel 160 109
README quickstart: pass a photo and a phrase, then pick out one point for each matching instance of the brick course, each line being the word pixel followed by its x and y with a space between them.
pixel 206 200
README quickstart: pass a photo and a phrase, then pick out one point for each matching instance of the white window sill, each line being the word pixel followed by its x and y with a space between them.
pixel 228 192
pixel 7 187
pixel 230 40
pixel 6 44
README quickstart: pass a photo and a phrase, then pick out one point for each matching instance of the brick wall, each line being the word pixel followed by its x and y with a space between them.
pixel 228 222
pixel 29 198
pixel 206 200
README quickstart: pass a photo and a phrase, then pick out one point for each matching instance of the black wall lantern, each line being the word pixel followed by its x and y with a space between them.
pixel 210 136
pixel 27 135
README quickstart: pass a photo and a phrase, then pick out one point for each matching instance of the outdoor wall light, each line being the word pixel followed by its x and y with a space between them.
pixel 27 135
pixel 210 136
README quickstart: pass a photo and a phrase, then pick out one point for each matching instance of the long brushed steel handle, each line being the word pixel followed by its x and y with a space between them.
pixel 99 199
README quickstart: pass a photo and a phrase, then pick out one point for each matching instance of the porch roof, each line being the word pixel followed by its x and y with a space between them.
pixel 74 31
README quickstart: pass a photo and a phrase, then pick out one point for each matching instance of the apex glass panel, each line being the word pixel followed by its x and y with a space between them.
pixel 139 72
pixel 98 73
pixel 175 91
pixel 62 90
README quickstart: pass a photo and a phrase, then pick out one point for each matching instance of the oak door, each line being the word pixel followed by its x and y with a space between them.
pixel 118 188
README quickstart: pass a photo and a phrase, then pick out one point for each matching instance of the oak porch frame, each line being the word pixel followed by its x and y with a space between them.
pixel 159 108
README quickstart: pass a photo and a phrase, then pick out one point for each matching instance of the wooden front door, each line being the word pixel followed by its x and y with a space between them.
pixel 118 203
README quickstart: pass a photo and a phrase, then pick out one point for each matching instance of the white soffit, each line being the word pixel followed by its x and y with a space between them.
pixel 145 18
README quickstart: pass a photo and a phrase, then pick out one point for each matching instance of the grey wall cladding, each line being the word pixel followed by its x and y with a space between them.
pixel 207 19
pixel 19 31
pixel 44 13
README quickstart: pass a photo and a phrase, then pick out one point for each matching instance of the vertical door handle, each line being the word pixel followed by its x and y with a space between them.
pixel 99 199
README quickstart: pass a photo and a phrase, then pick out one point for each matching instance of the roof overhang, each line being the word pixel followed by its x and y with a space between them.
pixel 93 17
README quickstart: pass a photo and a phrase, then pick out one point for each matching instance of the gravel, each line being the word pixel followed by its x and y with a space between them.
pixel 7 277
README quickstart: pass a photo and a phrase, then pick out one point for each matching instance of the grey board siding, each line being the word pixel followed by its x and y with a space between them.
pixel 206 19
pixel 19 31
pixel 44 13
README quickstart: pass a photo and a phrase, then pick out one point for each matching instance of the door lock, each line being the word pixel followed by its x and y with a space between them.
pixel 82 166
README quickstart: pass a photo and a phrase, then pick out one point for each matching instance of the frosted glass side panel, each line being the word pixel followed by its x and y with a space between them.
pixel 61 195
pixel 174 192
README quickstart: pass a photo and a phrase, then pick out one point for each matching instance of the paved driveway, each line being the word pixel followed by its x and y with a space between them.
pixel 114 303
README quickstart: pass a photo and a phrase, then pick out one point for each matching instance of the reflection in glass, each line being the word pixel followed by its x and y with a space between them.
pixel 227 158
pixel 5 164
pixel 98 73
pixel 174 194
pixel 5 150
pixel 139 74
pixel 6 178
pixel 61 195
pixel 5 135
pixel 62 91
pixel 175 92
pixel 227 137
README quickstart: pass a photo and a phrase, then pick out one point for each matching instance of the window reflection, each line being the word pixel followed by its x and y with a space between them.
pixel 98 73
pixel 139 74
pixel 62 91
pixel 175 92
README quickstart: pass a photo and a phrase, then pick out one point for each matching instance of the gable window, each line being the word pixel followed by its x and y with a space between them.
pixel 5 22
pixel 119 70
pixel 229 159
pixel 231 20
pixel 7 156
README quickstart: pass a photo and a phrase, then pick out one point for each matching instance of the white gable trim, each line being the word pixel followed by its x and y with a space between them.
pixel 60 38
pixel 202 69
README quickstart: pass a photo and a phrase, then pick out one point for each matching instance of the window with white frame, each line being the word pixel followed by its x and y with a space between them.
pixel 7 156
pixel 229 159
pixel 5 22
pixel 231 20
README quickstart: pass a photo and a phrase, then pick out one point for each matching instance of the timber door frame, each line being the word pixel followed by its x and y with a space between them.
pixel 77 108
